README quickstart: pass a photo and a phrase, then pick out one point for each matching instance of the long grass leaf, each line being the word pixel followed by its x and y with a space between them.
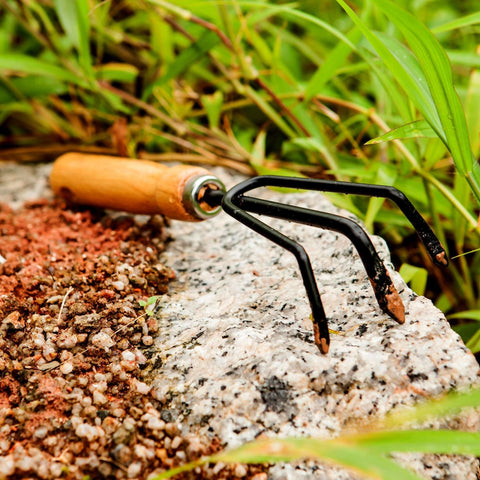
pixel 466 59
pixel 472 107
pixel 415 276
pixel 301 18
pixel 422 100
pixel 26 64
pixel 467 314
pixel 332 63
pixel 473 343
pixel 119 72
pixel 421 441
pixel 76 25
pixel 33 87
pixel 384 176
pixel 420 128
pixel 436 67
pixel 461 22
pixel 449 404
pixel 361 461
pixel 192 54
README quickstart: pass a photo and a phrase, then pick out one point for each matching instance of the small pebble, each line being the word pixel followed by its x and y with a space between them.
pixel 142 388
pixel 84 430
pixel 134 469
pixel 66 368
pixel 176 442
pixel 155 423
pixel 49 353
pixel 41 432
pixel 102 339
pixel 128 356
pixel 99 398
pixel 260 476
pixel 172 429
pixel 118 285
pixel 240 471
pixel 48 366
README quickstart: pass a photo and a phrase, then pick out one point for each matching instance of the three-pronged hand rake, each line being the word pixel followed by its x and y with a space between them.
pixel 192 194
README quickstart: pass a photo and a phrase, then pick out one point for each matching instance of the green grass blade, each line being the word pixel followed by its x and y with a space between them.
pixel 449 404
pixel 118 72
pixel 422 99
pixel 213 106
pixel 33 66
pixel 412 69
pixel 192 54
pixel 416 276
pixel 332 63
pixel 461 22
pixel 466 59
pixel 76 25
pixel 474 343
pixel 436 67
pixel 365 453
pixel 33 87
pixel 472 107
pixel 14 107
pixel 338 451
pixel 467 314
pixel 421 128
pixel 421 441
pixel 302 18
pixel 359 460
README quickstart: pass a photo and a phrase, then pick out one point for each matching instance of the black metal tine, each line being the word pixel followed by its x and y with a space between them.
pixel 385 291
pixel 236 204
pixel 425 233
pixel 320 325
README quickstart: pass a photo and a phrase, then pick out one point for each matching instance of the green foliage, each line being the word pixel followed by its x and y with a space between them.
pixel 415 276
pixel 368 91
pixel 366 452
pixel 149 305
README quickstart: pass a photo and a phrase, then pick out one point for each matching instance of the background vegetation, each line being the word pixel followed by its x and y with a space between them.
pixel 304 87
pixel 361 92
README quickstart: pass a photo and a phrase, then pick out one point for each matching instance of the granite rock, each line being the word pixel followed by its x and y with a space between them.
pixel 235 354
pixel 236 344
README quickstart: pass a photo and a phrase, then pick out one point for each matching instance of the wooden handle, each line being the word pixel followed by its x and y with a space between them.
pixel 136 186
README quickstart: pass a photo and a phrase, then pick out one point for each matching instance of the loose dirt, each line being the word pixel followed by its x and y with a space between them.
pixel 75 346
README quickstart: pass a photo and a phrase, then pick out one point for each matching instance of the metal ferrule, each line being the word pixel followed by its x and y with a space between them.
pixel 193 192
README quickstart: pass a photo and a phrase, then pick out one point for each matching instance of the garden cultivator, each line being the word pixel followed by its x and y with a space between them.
pixel 192 194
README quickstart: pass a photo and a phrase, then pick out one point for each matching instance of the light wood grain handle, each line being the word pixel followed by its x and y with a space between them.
pixel 136 186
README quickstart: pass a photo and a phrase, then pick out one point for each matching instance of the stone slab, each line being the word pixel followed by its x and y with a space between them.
pixel 236 352
pixel 236 345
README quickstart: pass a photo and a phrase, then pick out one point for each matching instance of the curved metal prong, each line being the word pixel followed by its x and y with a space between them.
pixel 385 291
pixel 425 233
pixel 320 326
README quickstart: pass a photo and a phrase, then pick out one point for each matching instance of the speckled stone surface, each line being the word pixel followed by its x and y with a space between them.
pixel 236 356
pixel 236 346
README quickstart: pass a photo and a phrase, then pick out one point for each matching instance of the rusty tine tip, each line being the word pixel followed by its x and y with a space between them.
pixel 323 346
pixel 442 258
pixel 320 342
pixel 395 307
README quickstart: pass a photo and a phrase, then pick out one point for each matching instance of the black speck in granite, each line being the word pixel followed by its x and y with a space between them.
pixel 276 395
pixel 415 377
pixel 205 419
pixel 361 329
pixel 169 415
